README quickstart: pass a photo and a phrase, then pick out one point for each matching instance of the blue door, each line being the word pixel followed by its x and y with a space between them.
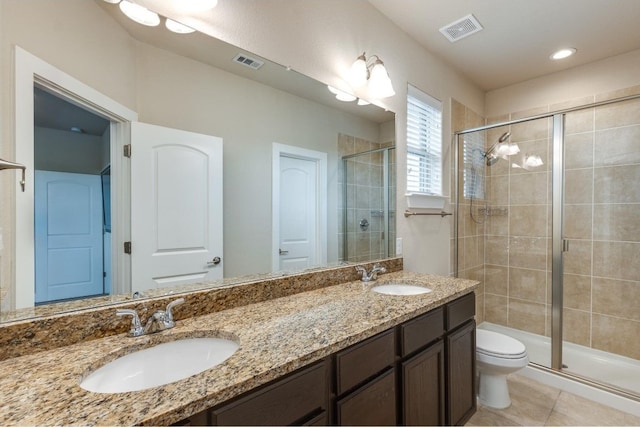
pixel 68 236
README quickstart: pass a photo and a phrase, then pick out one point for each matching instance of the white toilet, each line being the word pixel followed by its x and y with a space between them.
pixel 497 355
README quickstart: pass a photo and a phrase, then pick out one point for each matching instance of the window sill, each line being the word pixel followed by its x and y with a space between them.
pixel 425 201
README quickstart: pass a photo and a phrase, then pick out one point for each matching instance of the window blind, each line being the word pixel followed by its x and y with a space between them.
pixel 424 143
pixel 474 161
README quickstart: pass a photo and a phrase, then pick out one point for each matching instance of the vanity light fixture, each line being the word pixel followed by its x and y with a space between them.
pixel 563 53
pixel 177 27
pixel 372 73
pixel 140 14
pixel 144 16
pixel 341 95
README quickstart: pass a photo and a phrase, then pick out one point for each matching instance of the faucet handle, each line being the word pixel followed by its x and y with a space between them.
pixel 361 270
pixel 379 268
pixel 136 326
pixel 168 312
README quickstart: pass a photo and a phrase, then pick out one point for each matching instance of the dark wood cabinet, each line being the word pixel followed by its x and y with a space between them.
pixel 461 398
pixel 364 360
pixel 298 399
pixel 460 347
pixel 423 387
pixel 372 404
pixel 421 372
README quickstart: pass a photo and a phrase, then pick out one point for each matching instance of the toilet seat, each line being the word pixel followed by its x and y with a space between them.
pixel 497 345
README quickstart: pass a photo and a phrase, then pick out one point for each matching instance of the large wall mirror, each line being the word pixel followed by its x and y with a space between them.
pixel 269 119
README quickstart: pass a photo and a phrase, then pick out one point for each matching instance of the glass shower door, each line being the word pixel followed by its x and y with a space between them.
pixel 369 205
pixel 601 262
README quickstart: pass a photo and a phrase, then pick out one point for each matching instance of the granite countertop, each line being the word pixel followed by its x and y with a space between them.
pixel 276 337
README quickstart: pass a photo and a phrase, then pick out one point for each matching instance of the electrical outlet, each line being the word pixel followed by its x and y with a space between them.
pixel 398 246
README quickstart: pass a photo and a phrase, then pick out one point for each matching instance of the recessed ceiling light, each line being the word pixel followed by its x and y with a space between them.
pixel 563 53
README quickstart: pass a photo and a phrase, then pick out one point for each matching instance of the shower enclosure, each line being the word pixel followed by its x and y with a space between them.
pixel 368 209
pixel 548 220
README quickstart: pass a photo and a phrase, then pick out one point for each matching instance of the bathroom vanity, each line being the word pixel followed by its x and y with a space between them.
pixel 340 354
pixel 420 372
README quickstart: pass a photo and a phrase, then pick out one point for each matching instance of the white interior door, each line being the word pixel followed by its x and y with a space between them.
pixel 299 208
pixel 298 213
pixel 68 236
pixel 176 207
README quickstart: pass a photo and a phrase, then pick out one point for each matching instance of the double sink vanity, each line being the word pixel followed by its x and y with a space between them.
pixel 399 350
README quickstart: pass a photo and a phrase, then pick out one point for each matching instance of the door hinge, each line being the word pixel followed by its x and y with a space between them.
pixel 127 150
pixel 127 247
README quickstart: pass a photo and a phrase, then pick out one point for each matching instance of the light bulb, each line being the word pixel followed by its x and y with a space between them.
pixel 139 14
pixel 358 72
pixel 563 53
pixel 379 83
pixel 177 27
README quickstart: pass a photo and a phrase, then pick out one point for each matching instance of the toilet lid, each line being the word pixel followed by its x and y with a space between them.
pixel 494 343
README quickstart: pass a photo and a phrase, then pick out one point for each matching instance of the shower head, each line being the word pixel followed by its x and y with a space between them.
pixel 490 155
pixel 492 159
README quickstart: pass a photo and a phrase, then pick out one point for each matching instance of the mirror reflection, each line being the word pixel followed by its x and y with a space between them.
pixel 274 124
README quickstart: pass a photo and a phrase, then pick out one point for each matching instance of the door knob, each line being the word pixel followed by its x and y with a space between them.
pixel 215 261
pixel 283 252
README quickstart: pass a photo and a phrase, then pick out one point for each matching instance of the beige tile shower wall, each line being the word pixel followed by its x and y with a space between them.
pixel 518 233
pixel 471 247
pixel 602 223
pixel 364 200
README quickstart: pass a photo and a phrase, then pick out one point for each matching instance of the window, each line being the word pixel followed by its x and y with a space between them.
pixel 474 164
pixel 424 143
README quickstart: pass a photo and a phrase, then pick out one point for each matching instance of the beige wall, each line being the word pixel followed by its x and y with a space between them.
pixel 611 74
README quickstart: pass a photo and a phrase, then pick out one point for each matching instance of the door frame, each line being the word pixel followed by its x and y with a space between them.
pixel 282 150
pixel 29 71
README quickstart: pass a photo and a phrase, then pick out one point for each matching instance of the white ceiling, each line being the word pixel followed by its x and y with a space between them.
pixel 519 35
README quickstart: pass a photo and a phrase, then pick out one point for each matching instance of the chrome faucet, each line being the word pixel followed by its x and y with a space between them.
pixel 373 274
pixel 158 321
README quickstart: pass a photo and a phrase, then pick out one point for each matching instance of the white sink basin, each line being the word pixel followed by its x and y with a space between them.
pixel 400 289
pixel 159 365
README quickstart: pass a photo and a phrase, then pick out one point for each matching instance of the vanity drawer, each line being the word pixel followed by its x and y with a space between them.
pixel 284 402
pixel 460 310
pixel 422 330
pixel 361 361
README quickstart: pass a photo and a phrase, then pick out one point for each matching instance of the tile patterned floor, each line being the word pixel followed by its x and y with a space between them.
pixel 536 404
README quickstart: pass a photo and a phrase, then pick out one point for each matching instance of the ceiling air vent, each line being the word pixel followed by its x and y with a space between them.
pixel 247 61
pixel 461 28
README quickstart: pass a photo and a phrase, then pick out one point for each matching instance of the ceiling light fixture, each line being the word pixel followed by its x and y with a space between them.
pixel 140 14
pixel 563 53
pixel 177 27
pixel 372 73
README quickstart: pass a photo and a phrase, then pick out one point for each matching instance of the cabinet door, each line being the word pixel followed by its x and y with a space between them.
pixel 371 404
pixel 461 358
pixel 292 400
pixel 423 387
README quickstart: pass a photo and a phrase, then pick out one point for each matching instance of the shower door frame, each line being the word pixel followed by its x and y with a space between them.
pixel 559 244
pixel 385 196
